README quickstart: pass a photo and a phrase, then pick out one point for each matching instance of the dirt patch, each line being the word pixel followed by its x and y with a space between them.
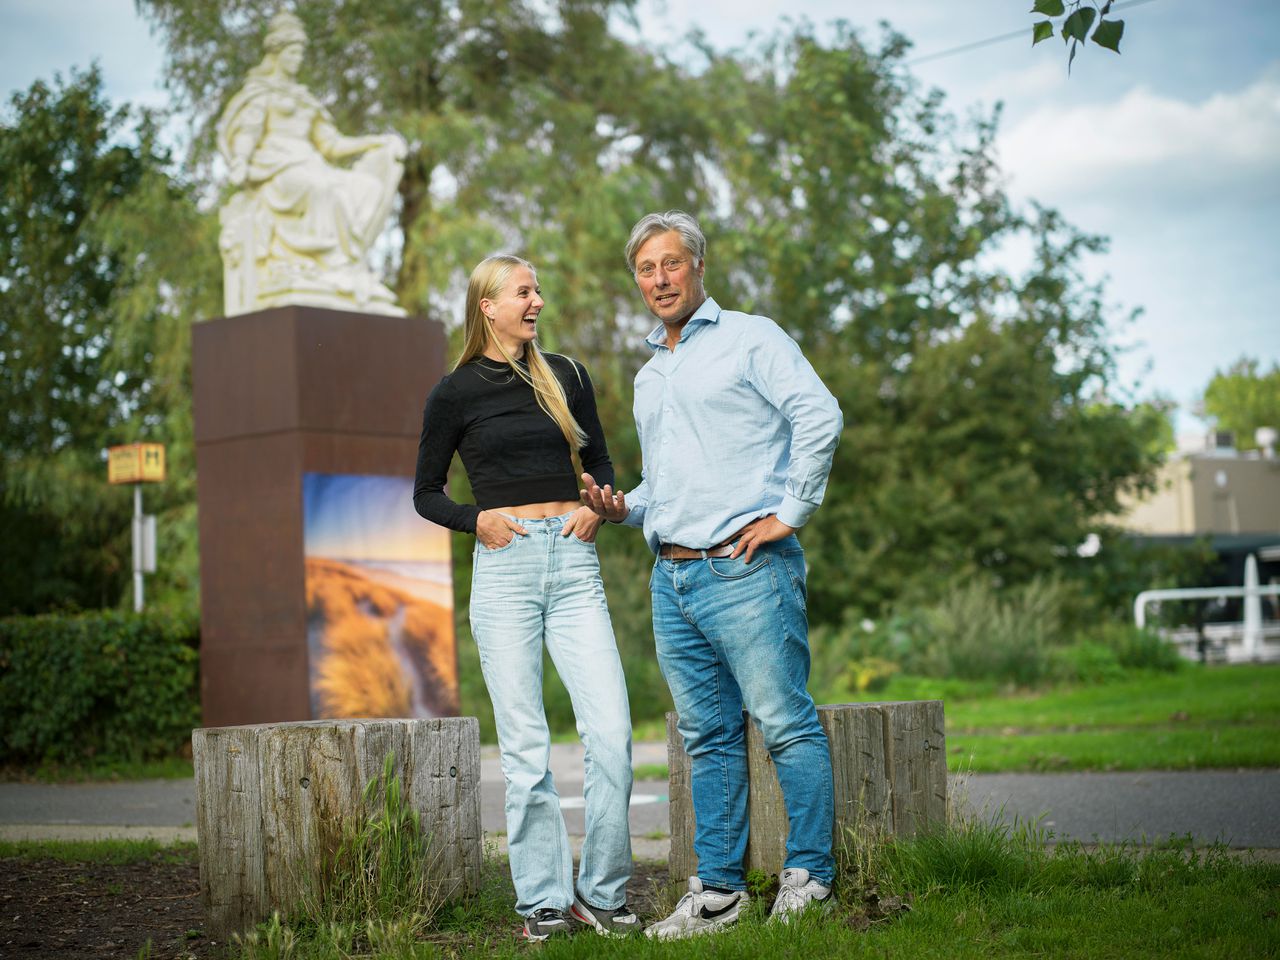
pixel 53 910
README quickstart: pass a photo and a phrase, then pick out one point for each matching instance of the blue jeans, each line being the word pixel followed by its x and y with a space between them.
pixel 543 587
pixel 732 635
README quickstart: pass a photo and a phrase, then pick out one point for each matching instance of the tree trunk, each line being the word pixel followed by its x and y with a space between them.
pixel 888 762
pixel 272 799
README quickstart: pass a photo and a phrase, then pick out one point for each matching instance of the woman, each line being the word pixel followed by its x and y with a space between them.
pixel 514 414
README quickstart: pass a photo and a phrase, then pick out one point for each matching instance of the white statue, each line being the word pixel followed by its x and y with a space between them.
pixel 300 226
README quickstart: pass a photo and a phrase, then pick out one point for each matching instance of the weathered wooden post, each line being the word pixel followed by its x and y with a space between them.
pixel 890 778
pixel 271 800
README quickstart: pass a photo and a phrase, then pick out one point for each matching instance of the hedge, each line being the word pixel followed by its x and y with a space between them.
pixel 102 686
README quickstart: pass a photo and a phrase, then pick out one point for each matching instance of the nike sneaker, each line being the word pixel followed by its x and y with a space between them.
pixel 545 922
pixel 619 922
pixel 699 911
pixel 797 893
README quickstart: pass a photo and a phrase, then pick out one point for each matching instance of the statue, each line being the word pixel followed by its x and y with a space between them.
pixel 300 226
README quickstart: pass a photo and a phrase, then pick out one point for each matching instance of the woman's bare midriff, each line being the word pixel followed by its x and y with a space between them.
pixel 539 511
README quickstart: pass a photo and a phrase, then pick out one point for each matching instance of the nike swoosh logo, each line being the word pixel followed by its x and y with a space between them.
pixel 706 914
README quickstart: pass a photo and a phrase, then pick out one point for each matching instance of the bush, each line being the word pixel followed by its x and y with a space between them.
pixel 1087 662
pixel 975 632
pixel 1138 649
pixel 104 686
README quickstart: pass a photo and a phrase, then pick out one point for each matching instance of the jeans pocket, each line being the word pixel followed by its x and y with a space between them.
pixel 794 562
pixel 483 551
pixel 736 569
pixel 576 539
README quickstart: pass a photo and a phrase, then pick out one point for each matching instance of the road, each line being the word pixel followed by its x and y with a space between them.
pixel 1238 808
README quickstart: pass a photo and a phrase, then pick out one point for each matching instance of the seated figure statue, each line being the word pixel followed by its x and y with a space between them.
pixel 300 226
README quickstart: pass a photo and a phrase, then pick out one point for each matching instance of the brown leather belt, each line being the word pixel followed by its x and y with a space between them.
pixel 673 551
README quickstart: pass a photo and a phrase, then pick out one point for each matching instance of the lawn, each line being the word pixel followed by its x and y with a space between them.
pixel 1197 718
pixel 974 890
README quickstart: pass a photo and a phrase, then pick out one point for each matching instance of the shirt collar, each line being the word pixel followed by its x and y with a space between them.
pixel 709 312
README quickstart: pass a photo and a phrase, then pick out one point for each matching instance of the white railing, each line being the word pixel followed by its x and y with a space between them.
pixel 1254 636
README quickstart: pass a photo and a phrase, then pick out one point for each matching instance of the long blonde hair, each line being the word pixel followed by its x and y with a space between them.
pixel 486 283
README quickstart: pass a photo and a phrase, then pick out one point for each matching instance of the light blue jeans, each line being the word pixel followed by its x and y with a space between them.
pixel 732 635
pixel 546 588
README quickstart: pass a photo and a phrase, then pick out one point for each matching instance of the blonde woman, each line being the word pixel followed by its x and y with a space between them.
pixel 514 414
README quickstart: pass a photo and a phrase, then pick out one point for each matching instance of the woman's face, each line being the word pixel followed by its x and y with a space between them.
pixel 513 314
pixel 291 59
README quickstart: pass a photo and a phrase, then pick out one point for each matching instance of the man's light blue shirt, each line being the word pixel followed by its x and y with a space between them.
pixel 734 425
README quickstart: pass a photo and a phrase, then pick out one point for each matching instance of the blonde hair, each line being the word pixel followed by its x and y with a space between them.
pixel 486 282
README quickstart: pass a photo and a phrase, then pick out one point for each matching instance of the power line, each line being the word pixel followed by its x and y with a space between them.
pixel 978 44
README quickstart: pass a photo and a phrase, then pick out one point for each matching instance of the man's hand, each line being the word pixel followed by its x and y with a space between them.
pixel 604 502
pixel 765 530
pixel 494 530
pixel 583 523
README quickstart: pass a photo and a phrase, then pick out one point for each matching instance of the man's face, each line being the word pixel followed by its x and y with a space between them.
pixel 668 279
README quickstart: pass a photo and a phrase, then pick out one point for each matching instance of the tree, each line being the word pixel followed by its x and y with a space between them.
pixel 986 433
pixel 1244 398
pixel 1084 21
pixel 980 438
pixel 87 358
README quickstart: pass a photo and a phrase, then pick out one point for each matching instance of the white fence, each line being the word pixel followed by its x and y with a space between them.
pixel 1250 641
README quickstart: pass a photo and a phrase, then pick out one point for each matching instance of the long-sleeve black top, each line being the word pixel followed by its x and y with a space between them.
pixel 512 451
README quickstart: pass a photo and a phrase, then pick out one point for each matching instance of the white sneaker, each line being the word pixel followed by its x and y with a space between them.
pixel 797 893
pixel 699 911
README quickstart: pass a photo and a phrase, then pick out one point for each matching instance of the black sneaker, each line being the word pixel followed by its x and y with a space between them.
pixel 619 922
pixel 545 922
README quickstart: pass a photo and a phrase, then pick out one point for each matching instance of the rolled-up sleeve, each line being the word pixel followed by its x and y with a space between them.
pixel 779 372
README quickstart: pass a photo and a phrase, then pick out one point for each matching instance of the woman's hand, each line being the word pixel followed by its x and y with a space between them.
pixel 494 530
pixel 583 523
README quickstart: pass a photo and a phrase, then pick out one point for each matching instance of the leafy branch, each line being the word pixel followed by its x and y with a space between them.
pixel 1079 21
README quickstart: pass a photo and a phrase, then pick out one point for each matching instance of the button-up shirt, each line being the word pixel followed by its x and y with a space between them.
pixel 734 425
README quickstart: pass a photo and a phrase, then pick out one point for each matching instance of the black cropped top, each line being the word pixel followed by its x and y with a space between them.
pixel 512 451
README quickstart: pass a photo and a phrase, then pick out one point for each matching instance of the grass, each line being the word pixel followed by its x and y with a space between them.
pixel 1198 718
pixel 980 889
pixel 651 771
pixel 116 852
pixel 169 768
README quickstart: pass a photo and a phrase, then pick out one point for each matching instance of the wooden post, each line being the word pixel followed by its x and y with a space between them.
pixel 888 762
pixel 272 798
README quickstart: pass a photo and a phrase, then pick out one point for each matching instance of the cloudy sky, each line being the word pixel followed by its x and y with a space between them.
pixel 1171 149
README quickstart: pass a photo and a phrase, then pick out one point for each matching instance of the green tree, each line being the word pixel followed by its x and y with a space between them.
pixel 1078 22
pixel 979 434
pixel 1243 398
pixel 985 434
pixel 90 354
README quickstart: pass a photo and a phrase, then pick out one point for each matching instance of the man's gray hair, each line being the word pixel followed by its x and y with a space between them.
pixel 653 224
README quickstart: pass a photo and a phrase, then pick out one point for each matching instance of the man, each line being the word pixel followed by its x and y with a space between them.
pixel 737 434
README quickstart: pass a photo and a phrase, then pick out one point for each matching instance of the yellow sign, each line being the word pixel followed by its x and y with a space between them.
pixel 136 463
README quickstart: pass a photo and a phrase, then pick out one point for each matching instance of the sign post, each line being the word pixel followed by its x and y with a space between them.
pixel 139 463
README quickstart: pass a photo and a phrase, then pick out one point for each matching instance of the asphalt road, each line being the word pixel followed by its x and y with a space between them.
pixel 1238 808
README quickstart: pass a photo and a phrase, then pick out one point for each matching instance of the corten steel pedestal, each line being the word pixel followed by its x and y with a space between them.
pixel 278 394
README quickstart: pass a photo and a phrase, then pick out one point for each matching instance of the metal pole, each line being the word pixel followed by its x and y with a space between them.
pixel 137 548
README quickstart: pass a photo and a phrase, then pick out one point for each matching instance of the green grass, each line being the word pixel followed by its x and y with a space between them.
pixel 116 852
pixel 976 890
pixel 651 771
pixel 170 768
pixel 1198 718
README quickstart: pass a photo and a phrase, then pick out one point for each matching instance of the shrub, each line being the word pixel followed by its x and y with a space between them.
pixel 1086 662
pixel 102 686
pixel 1138 649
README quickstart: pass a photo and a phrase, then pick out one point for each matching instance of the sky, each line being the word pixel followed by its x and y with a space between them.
pixel 1171 149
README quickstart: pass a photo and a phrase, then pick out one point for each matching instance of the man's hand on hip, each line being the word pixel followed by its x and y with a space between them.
pixel 612 506
pixel 765 530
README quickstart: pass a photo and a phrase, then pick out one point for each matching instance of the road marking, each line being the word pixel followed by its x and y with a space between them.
pixel 637 800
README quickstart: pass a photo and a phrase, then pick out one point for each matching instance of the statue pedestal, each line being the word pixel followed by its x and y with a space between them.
pixel 280 394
